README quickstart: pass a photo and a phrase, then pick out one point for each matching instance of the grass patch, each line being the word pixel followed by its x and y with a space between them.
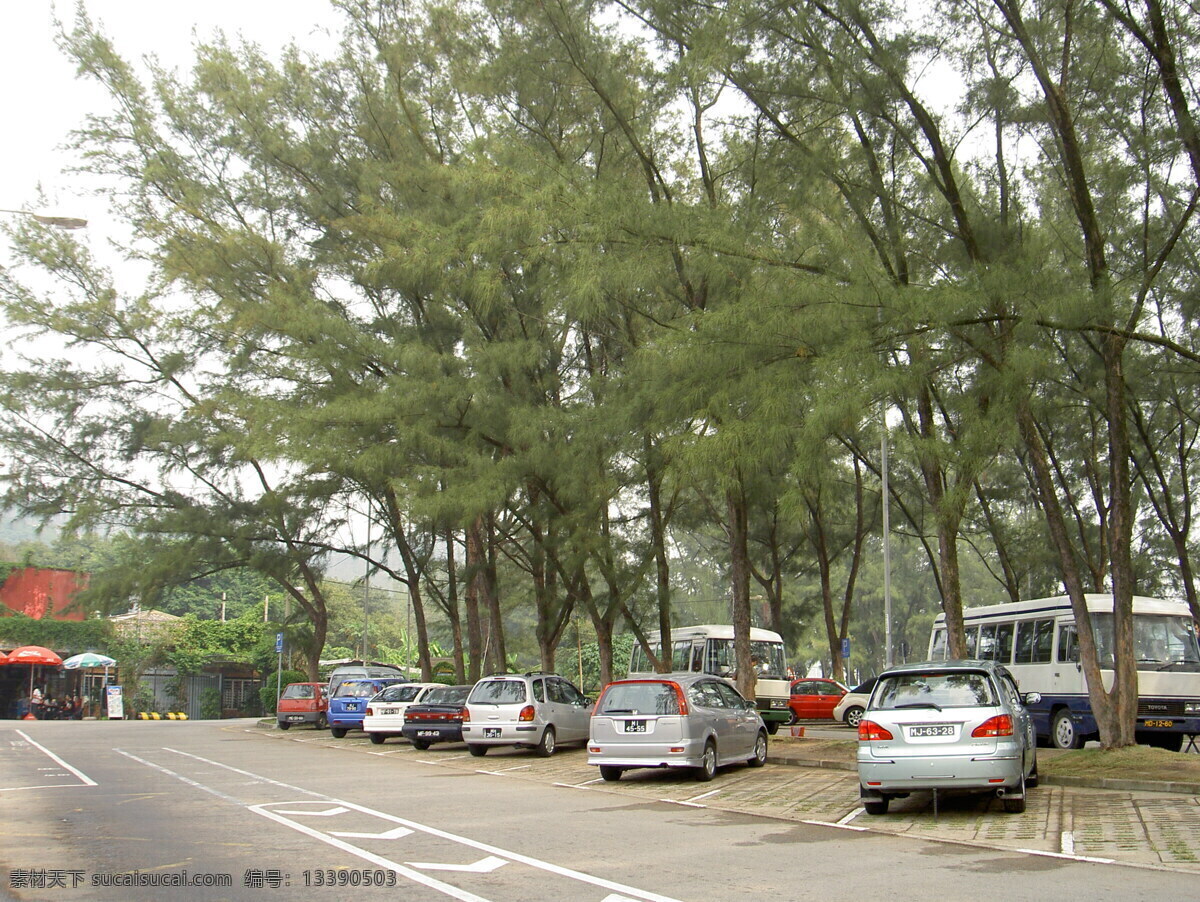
pixel 1137 762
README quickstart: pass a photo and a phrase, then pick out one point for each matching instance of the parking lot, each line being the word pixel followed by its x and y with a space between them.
pixel 1148 829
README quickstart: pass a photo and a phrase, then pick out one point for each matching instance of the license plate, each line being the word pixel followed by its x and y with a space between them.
pixel 635 726
pixel 352 706
pixel 387 711
pixel 1160 723
pixel 935 730
pixel 295 718
pixel 423 734
pixel 491 732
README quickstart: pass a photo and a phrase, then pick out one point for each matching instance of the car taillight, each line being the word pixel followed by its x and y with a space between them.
pixel 370 713
pixel 869 731
pixel 527 714
pixel 466 715
pixel 681 698
pixel 1000 725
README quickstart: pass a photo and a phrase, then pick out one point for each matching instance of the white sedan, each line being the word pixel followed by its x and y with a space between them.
pixel 385 710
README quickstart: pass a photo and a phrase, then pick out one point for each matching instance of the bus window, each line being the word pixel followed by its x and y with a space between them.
pixel 682 656
pixel 1034 638
pixel 1068 644
pixel 1004 642
pixel 939 648
pixel 972 641
pixel 987 642
pixel 638 662
pixel 697 657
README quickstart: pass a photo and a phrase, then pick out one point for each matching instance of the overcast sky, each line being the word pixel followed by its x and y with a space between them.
pixel 43 100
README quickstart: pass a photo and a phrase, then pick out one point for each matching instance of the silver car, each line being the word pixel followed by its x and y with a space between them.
pixel 956 725
pixel 691 720
pixel 532 710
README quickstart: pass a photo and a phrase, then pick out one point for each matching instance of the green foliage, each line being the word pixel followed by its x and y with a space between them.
pixel 70 636
pixel 200 642
pixel 210 704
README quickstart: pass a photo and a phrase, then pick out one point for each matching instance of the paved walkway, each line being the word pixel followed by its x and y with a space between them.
pixel 1127 826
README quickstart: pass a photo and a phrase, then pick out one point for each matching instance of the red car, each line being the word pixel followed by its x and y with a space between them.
pixel 815 699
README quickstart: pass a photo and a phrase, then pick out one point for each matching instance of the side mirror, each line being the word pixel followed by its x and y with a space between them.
pixel 1033 698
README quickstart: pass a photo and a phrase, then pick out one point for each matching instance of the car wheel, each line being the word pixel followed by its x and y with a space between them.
pixel 1062 730
pixel 420 744
pixel 377 738
pixel 773 727
pixel 609 773
pixel 477 750
pixel 1033 779
pixel 760 751
pixel 793 719
pixel 321 723
pixel 876 806
pixel 708 766
pixel 284 726
pixel 1016 804
pixel 338 732
pixel 545 746
pixel 853 716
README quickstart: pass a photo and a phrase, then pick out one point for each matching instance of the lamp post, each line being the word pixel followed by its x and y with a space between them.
pixel 58 222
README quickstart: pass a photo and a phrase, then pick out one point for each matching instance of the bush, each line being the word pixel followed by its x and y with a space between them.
pixel 266 692
pixel 210 704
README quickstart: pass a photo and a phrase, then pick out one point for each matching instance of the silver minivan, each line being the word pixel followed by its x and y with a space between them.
pixel 946 725
pixel 534 710
pixel 692 720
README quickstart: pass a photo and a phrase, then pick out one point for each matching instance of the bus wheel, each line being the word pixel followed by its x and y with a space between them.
pixel 1062 730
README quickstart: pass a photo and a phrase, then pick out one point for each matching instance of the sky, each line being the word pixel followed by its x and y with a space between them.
pixel 42 100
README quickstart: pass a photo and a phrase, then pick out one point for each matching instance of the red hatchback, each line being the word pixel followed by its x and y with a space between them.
pixel 815 699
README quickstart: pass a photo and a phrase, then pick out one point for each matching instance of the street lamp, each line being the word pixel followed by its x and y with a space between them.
pixel 58 222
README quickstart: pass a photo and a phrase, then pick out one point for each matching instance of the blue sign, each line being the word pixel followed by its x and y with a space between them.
pixel 845 649
pixel 279 643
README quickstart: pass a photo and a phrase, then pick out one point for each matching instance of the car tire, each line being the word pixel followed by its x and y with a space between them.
pixel 876 806
pixel 284 726
pixel 338 732
pixel 853 716
pixel 377 738
pixel 793 719
pixel 477 750
pixel 1033 779
pixel 609 773
pixel 321 723
pixel 708 767
pixel 773 727
pixel 1063 733
pixel 545 746
pixel 420 744
pixel 759 758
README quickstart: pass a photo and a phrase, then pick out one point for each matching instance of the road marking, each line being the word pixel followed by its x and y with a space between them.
pixel 1087 858
pixel 851 816
pixel 1067 846
pixel 704 795
pixel 482 866
pixel 83 778
pixel 632 892
pixel 389 834
pixel 683 802
pixel 837 826
pixel 328 812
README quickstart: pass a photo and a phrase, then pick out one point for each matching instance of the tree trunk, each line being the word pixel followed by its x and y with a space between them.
pixel 476 578
pixel 739 572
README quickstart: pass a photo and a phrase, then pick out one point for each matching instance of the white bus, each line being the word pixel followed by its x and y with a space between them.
pixel 1036 640
pixel 709 649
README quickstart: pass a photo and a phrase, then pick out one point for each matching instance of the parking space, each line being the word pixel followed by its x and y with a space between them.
pixel 1141 828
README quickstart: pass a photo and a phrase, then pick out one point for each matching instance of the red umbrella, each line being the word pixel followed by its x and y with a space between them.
pixel 33 655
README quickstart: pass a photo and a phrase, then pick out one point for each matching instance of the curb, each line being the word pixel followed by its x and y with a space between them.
pixel 1119 785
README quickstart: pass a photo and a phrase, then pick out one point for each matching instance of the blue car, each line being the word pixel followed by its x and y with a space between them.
pixel 348 705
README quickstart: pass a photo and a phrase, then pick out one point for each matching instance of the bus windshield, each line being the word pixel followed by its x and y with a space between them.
pixel 1160 642
pixel 767 657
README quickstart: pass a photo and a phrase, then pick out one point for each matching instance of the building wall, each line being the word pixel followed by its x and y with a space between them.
pixel 43 594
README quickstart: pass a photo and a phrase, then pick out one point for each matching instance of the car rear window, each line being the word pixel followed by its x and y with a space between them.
pixel 640 698
pixel 405 692
pixel 449 695
pixel 933 689
pixel 356 690
pixel 498 692
pixel 299 690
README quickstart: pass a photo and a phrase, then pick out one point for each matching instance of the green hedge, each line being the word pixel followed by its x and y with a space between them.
pixel 71 636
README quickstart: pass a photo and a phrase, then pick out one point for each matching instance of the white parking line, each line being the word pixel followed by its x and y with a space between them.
pixel 627 891
pixel 80 775
pixel 703 795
